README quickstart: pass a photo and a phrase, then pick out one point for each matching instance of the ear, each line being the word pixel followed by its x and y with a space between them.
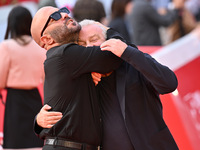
pixel 47 40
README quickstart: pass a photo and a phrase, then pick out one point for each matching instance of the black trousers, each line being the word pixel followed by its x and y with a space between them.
pixel 20 110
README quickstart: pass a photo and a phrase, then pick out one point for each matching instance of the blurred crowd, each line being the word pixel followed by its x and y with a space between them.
pixel 143 22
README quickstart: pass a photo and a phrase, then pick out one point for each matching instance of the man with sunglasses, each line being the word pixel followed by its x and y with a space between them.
pixel 68 84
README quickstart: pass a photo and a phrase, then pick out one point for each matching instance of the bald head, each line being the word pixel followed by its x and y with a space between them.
pixel 39 21
pixel 57 30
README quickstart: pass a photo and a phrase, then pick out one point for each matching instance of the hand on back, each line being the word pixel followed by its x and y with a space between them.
pixel 46 118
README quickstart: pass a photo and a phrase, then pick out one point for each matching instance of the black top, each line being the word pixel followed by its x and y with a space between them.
pixel 69 88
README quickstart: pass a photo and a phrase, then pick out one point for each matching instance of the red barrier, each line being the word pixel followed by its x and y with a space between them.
pixel 187 101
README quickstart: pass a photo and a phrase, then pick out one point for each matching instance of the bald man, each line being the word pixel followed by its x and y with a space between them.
pixel 68 86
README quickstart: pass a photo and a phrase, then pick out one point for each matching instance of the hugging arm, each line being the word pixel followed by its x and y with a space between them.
pixel 46 119
pixel 161 77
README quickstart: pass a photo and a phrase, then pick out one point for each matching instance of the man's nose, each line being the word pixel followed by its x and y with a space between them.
pixel 64 15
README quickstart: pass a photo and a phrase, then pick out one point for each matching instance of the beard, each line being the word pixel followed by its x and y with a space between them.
pixel 64 35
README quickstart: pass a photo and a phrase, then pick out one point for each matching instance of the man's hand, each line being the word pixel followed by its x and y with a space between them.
pixel 116 46
pixel 96 77
pixel 47 119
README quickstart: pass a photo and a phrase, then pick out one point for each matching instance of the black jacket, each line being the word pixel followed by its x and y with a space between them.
pixel 141 79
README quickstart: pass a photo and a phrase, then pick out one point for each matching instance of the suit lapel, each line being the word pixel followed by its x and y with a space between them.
pixel 120 86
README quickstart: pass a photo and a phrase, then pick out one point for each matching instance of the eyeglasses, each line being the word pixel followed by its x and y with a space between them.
pixel 55 16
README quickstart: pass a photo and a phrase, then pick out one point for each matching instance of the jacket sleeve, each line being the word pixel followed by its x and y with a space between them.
pixel 112 33
pixel 90 59
pixel 161 77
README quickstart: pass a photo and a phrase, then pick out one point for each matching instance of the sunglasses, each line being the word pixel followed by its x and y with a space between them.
pixel 55 16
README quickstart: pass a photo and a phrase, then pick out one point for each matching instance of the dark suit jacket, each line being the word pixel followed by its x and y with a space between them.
pixel 142 80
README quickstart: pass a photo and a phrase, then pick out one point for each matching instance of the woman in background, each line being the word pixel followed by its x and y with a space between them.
pixel 120 9
pixel 21 71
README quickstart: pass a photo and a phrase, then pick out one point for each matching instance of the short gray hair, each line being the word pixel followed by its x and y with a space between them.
pixel 87 22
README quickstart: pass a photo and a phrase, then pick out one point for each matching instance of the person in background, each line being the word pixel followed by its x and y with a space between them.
pixel 130 105
pixel 89 9
pixel 146 21
pixel 185 23
pixel 160 4
pixel 120 9
pixel 194 7
pixel 21 71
